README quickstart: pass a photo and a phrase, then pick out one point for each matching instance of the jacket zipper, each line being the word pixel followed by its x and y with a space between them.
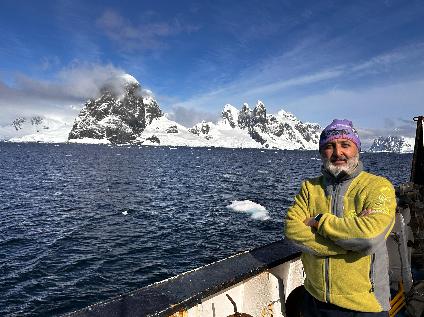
pixel 327 279
pixel 334 203
pixel 372 273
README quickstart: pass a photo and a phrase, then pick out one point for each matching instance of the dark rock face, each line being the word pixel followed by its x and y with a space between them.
pixel 259 119
pixel 285 128
pixel 244 117
pixel 227 115
pixel 152 111
pixel 36 121
pixel 119 118
pixel 202 128
pixel 255 135
pixel 172 129
pixel 18 122
pixel 308 130
pixel 254 121
pixel 153 139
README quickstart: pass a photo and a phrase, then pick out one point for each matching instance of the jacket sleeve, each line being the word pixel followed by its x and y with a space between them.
pixel 364 234
pixel 304 236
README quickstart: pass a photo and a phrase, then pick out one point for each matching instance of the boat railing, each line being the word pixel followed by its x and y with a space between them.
pixel 218 289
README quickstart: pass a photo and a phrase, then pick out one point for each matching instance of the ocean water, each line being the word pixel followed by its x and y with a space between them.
pixel 83 223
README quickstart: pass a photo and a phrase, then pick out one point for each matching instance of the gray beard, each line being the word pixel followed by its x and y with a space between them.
pixel 335 170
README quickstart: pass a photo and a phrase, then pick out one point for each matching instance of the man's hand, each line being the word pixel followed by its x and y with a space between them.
pixel 366 212
pixel 311 222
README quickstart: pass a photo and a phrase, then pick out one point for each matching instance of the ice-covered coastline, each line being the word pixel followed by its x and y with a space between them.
pixel 128 114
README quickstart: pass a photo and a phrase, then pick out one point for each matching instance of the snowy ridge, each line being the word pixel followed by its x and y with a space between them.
pixel 394 144
pixel 246 128
pixel 125 113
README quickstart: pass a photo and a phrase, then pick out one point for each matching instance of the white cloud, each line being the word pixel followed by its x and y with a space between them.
pixel 242 91
pixel 293 82
pixel 370 109
pixel 188 117
pixel 387 60
pixel 61 97
pixel 141 36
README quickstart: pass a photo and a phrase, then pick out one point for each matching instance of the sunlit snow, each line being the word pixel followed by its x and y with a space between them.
pixel 48 131
pixel 129 79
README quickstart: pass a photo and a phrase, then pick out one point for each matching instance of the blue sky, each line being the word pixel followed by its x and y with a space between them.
pixel 361 60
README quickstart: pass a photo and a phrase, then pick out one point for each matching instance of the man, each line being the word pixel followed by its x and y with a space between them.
pixel 341 221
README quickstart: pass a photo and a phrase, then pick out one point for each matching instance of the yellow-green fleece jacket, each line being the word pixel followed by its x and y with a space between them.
pixel 345 259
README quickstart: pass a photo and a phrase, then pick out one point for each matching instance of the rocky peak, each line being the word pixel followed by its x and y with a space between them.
pixel 119 114
pixel 286 116
pixel 259 118
pixel 230 115
pixel 244 117
pixel 269 129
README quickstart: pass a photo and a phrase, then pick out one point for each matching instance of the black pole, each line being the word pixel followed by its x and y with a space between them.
pixel 417 171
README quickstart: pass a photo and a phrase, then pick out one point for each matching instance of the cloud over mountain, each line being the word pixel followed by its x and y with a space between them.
pixel 59 96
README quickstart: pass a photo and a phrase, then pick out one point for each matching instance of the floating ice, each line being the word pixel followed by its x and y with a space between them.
pixel 255 210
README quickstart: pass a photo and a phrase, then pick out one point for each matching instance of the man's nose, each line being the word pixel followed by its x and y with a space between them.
pixel 337 151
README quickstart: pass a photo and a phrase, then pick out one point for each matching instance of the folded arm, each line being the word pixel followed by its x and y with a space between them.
pixel 304 236
pixel 368 231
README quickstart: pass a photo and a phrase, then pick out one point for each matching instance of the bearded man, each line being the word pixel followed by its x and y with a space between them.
pixel 341 220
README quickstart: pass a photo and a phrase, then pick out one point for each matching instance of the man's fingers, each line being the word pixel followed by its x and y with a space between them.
pixel 309 221
pixel 366 212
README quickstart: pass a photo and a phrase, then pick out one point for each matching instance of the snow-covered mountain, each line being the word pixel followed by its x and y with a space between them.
pixel 395 144
pixel 254 128
pixel 124 113
pixel 119 115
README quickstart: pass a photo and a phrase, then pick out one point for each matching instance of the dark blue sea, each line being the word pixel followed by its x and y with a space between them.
pixel 83 223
